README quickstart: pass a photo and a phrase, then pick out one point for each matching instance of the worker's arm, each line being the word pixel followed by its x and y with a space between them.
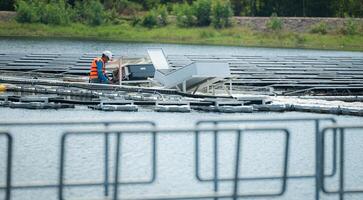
pixel 102 77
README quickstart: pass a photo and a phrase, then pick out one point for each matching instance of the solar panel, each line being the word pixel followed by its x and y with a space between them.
pixel 158 58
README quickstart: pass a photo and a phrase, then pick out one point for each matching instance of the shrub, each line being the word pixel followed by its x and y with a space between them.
pixel 91 12
pixel 25 12
pixel 221 14
pixel 156 16
pixel 350 27
pixel 136 20
pixel 150 19
pixel 184 15
pixel 162 15
pixel 126 7
pixel 112 16
pixel 149 4
pixel 321 28
pixel 202 12
pixel 55 12
pixel 274 23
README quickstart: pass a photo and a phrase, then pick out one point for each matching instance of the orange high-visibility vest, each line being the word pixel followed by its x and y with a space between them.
pixel 93 73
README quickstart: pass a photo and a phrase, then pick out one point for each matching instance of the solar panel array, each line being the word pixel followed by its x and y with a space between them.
pixel 287 70
pixel 256 71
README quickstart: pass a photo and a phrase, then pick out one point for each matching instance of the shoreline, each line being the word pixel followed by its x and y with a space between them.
pixel 236 36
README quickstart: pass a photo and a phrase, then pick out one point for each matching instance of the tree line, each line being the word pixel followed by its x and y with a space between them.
pixel 289 8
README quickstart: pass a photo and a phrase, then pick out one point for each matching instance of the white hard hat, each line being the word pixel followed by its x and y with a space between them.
pixel 108 54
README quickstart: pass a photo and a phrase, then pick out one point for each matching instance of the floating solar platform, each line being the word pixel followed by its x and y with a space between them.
pixel 256 71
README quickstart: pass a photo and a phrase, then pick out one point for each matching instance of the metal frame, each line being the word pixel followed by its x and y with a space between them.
pixel 338 133
pixel 155 132
pixel 317 175
pixel 8 164
pixel 342 132
pixel 106 124
pixel 106 133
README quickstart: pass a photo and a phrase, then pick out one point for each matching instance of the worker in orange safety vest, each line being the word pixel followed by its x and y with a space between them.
pixel 98 69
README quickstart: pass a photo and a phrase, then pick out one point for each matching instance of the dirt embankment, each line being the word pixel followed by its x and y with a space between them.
pixel 7 15
pixel 295 24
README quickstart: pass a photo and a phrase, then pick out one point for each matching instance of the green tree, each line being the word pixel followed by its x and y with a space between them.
pixel 91 12
pixel 202 12
pixel 26 12
pixel 237 7
pixel 184 15
pixel 55 12
pixel 7 4
pixel 221 14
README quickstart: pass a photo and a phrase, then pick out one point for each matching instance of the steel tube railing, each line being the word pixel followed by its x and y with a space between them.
pixel 339 134
pixel 105 123
pixel 8 169
pixel 239 121
pixel 342 130
pixel 119 132
pixel 61 184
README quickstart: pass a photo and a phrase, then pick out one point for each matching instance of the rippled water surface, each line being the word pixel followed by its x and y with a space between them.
pixel 15 45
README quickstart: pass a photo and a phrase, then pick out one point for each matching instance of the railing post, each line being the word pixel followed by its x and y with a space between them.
pixel 61 167
pixel 8 167
pixel 215 181
pixel 106 183
pixel 317 160
pixel 236 172
pixel 341 168
pixel 118 150
pixel 196 148
pixel 154 156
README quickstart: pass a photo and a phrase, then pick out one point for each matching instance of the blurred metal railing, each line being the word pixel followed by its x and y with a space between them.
pixel 317 125
pixel 9 151
pixel 236 164
pixel 116 182
pixel 342 130
pixel 105 123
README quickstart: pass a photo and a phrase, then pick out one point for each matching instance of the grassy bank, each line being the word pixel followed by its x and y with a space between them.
pixel 235 36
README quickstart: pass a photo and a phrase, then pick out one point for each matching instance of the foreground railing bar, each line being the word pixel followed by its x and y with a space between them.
pixel 319 176
pixel 317 160
pixel 105 132
pixel 70 184
pixel 106 123
pixel 317 127
pixel 215 147
pixel 9 159
pixel 341 167
pixel 341 191
pixel 285 163
pixel 236 173
pixel 179 197
pixel 117 166
pixel 168 131
pixel 67 122
pixel 106 162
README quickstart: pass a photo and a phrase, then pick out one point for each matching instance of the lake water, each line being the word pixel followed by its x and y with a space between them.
pixel 15 45
pixel 36 152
